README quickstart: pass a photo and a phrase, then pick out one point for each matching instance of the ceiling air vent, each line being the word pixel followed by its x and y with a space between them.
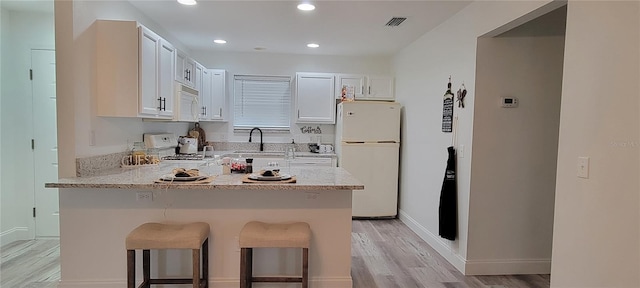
pixel 395 21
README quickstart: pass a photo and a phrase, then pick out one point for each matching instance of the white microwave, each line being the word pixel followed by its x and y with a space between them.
pixel 187 100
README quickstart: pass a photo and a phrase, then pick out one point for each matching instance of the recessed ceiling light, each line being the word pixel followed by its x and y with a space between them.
pixel 187 2
pixel 306 7
pixel 313 45
pixel 219 41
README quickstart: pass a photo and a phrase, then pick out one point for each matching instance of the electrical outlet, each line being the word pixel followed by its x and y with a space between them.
pixel 146 197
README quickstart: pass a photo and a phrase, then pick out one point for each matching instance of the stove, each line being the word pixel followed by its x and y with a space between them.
pixel 166 144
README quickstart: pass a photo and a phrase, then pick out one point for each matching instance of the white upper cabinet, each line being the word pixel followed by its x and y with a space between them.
pixel 203 85
pixel 366 87
pixel 380 88
pixel 166 66
pixel 351 81
pixel 213 95
pixel 315 98
pixel 185 69
pixel 134 69
pixel 218 94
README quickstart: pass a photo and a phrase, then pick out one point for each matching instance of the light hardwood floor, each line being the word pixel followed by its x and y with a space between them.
pixel 385 254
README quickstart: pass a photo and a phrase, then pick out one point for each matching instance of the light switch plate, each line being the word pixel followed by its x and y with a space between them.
pixel 583 167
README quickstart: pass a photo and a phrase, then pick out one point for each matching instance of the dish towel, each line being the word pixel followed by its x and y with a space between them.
pixel 448 211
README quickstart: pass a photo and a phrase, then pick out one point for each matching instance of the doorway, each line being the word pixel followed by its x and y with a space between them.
pixel 514 170
pixel 44 143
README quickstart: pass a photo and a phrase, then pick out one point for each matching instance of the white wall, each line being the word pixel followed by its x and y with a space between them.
pixel 514 155
pixel 596 228
pixel 261 63
pixel 21 32
pixel 422 70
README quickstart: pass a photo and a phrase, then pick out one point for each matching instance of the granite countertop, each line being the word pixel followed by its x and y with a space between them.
pixel 307 178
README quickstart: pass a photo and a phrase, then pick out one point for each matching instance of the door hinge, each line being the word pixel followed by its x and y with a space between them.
pixel 33 144
pixel 34 212
pixel 30 74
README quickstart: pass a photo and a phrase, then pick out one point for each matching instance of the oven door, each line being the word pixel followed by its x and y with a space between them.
pixel 187 100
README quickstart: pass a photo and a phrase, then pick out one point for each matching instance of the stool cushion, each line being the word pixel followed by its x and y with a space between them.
pixel 260 234
pixel 168 236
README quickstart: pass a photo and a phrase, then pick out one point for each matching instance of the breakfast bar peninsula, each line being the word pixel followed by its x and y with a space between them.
pixel 97 213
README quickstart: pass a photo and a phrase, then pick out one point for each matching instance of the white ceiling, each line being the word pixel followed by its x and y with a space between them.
pixel 340 27
pixel 347 27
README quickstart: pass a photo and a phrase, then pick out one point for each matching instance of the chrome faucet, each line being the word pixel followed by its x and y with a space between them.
pixel 261 145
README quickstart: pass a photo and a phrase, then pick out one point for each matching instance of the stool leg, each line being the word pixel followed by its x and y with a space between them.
pixel 205 262
pixel 131 268
pixel 146 268
pixel 305 267
pixel 195 254
pixel 246 266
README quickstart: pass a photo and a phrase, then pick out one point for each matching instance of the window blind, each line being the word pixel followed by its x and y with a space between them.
pixel 262 101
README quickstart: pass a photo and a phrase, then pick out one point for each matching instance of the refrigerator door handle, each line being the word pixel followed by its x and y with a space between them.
pixel 354 142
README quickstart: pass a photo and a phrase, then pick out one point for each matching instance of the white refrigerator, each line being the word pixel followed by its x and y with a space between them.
pixel 368 146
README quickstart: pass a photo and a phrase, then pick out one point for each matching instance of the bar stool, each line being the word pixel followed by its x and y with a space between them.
pixel 194 236
pixel 264 235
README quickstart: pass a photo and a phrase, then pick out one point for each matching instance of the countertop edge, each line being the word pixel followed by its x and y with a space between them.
pixel 253 186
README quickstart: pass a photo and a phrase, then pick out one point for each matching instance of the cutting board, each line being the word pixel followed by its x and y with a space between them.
pixel 202 139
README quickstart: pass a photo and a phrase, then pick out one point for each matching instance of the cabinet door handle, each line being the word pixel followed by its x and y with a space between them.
pixel 186 74
pixel 159 103
pixel 220 112
pixel 298 113
pixel 362 91
pixel 369 89
pixel 164 101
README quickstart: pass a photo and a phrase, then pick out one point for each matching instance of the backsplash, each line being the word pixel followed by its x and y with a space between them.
pixel 93 165
pixel 255 146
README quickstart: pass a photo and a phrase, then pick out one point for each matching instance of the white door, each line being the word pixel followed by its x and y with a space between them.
pixel 150 102
pixel 375 165
pixel 315 98
pixel 43 85
pixel 370 121
pixel 355 81
pixel 380 88
pixel 166 63
pixel 218 94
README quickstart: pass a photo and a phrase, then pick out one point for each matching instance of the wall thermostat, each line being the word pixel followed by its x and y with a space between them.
pixel 509 102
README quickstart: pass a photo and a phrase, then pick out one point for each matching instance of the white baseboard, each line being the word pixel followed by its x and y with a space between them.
pixel 508 267
pixel 437 243
pixel 324 282
pixel 476 267
pixel 14 234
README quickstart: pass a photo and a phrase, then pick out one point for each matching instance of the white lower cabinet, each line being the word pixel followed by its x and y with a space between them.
pixel 315 100
pixel 261 162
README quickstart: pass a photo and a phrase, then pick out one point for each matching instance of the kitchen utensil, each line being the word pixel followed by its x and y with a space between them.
pixel 187 145
pixel 208 151
pixel 326 148
pixel 202 139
